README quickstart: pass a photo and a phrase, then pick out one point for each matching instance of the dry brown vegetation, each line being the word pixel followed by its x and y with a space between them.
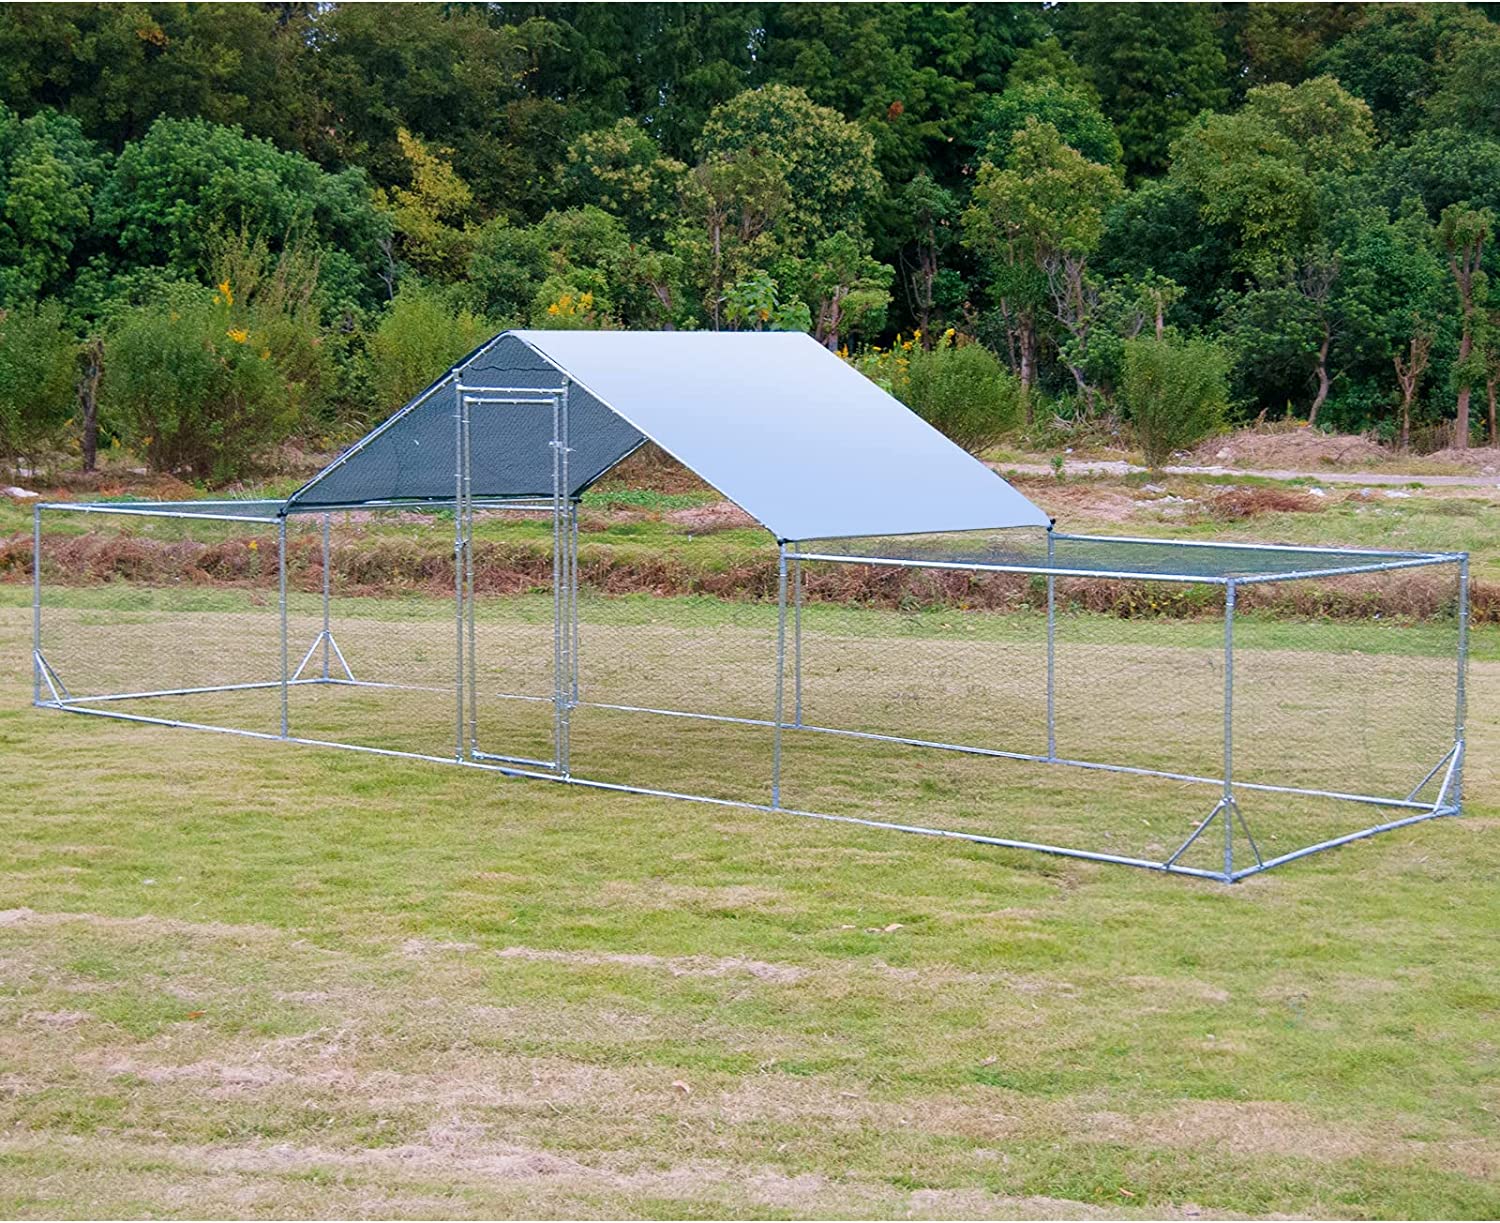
pixel 1234 504
pixel 398 565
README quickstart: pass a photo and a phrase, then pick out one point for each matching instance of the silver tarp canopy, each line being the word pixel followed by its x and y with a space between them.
pixel 781 426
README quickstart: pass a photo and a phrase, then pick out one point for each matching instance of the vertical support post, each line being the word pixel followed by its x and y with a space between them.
pixel 471 609
pixel 780 674
pixel 285 657
pixel 1051 651
pixel 460 409
pixel 563 578
pixel 36 605
pixel 797 642
pixel 327 627
pixel 573 582
pixel 1462 694
pixel 1228 809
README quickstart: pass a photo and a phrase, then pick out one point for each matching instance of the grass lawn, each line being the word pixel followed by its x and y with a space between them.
pixel 248 978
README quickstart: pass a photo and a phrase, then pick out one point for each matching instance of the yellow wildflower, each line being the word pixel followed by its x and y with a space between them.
pixel 226 292
pixel 238 334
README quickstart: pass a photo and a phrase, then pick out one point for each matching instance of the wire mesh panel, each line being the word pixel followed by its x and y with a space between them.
pixel 948 657
pixel 950 692
pixel 1139 674
pixel 515 636
pixel 677 693
pixel 1345 685
pixel 380 651
pixel 162 617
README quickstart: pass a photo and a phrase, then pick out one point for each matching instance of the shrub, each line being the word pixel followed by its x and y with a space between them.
pixel 1176 393
pixel 958 388
pixel 420 336
pixel 38 380
pixel 191 384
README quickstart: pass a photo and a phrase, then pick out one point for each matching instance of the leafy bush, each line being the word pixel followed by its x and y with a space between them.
pixel 960 389
pixel 420 336
pixel 1176 393
pixel 38 378
pixel 191 384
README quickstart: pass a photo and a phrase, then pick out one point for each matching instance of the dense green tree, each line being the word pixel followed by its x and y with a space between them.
pixel 904 71
pixel 38 374
pixel 1260 169
pixel 116 68
pixel 680 165
pixel 1157 231
pixel 730 203
pixel 1069 109
pixel 1039 220
pixel 186 180
pixel 452 75
pixel 1462 234
pixel 432 218
pixel 622 170
pixel 847 291
pixel 1441 166
pixel 666 65
pixel 1156 66
pixel 1389 295
pixel 828 163
pixel 49 172
pixel 1280 43
pixel 1396 57
pixel 930 232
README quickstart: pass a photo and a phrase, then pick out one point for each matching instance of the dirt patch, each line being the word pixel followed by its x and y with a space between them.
pixel 115 482
pixel 1292 448
pixel 56 1019
pixel 706 519
pixel 147 925
pixel 661 896
pixel 1178 989
pixel 677 966
pixel 1482 459
pixel 421 948
pixel 1066 499
pixel 1264 1127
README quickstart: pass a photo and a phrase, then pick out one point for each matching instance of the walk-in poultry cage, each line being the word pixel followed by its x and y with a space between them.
pixel 926 652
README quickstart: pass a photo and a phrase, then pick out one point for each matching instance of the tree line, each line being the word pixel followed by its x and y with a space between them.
pixel 222 226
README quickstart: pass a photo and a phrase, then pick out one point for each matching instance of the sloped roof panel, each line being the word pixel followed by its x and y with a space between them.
pixel 788 431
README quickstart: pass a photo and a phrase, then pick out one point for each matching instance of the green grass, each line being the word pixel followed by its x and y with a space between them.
pixel 244 978
pixel 253 979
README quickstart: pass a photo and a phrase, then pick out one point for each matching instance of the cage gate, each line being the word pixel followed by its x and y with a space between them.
pixel 517 678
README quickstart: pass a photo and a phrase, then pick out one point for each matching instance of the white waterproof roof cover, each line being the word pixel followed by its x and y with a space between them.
pixel 781 426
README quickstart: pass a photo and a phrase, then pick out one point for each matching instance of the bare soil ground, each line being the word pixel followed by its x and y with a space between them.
pixel 1295 449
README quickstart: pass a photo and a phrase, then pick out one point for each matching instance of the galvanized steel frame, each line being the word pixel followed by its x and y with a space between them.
pixel 566 696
